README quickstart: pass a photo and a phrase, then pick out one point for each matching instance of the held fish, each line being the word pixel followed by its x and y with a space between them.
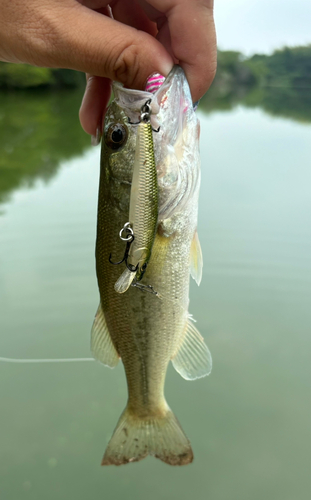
pixel 147 330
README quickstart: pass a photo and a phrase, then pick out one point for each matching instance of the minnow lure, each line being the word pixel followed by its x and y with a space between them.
pixel 143 213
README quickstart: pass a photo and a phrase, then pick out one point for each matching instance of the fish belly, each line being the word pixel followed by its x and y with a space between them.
pixel 145 328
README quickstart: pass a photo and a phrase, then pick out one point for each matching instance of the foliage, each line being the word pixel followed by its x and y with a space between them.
pixel 286 101
pixel 289 102
pixel 285 67
pixel 289 67
pixel 40 129
pixel 232 69
pixel 68 78
pixel 24 76
pixel 37 132
pixel 277 83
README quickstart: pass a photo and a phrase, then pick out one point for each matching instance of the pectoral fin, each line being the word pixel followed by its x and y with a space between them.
pixel 193 359
pixel 101 344
pixel 196 259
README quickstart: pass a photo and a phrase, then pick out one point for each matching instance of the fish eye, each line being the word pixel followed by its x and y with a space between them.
pixel 116 136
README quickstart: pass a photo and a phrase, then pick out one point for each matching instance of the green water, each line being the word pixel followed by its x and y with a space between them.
pixel 249 422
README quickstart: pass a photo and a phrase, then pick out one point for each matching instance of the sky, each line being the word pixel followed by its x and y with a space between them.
pixel 262 26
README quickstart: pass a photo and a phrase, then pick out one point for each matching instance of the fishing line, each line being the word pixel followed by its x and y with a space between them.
pixel 42 360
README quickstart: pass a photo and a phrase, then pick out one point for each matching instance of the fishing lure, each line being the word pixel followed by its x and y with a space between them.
pixel 143 210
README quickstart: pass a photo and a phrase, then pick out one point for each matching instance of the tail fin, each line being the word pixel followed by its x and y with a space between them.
pixel 135 438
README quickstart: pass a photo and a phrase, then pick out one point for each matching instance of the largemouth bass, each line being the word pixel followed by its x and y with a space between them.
pixel 150 326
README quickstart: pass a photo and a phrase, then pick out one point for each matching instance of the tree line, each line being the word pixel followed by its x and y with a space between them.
pixel 287 67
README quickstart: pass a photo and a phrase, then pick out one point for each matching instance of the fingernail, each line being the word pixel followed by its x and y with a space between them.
pixel 166 68
pixel 95 139
pixel 154 82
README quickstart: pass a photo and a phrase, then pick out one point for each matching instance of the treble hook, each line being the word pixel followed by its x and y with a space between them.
pixel 129 240
pixel 125 256
pixel 144 115
pixel 146 288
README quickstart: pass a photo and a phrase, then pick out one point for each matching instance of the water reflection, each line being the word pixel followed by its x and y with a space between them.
pixel 287 102
pixel 37 131
pixel 249 423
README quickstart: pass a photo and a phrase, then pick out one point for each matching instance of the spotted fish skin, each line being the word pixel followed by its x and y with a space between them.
pixel 147 330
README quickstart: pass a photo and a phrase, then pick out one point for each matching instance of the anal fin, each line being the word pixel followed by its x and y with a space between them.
pixel 193 359
pixel 102 347
pixel 196 259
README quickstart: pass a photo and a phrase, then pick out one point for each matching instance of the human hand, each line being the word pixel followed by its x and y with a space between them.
pixel 145 36
pixel 184 27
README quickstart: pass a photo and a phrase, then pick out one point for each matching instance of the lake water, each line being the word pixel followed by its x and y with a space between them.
pixel 249 422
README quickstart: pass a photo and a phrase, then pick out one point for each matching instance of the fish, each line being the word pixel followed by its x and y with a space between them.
pixel 148 330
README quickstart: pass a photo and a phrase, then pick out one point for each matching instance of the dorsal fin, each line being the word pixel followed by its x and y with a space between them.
pixel 102 347
pixel 193 359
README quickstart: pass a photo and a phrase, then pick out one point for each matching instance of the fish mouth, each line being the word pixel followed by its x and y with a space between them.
pixel 172 112
pixel 131 100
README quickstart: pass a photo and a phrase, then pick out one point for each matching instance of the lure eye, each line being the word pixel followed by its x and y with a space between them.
pixel 116 136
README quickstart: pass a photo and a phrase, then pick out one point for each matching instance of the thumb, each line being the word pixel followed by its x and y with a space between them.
pixel 88 41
